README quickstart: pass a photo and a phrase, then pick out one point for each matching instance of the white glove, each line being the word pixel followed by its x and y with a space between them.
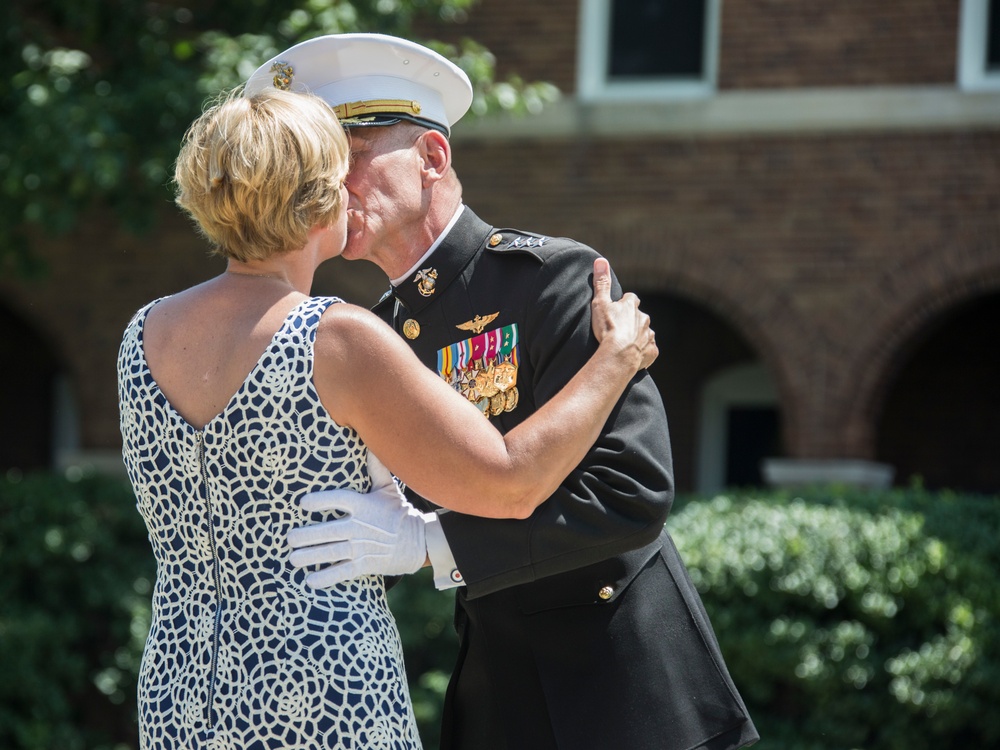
pixel 382 534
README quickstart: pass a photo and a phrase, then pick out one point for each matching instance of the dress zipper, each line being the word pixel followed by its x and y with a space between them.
pixel 217 576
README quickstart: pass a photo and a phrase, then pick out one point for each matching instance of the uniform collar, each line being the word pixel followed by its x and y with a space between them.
pixel 457 247
pixel 434 246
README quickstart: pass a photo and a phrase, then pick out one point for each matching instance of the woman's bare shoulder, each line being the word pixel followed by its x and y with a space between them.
pixel 356 354
pixel 353 338
pixel 352 324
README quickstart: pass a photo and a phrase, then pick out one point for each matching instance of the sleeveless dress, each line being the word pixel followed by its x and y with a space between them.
pixel 242 655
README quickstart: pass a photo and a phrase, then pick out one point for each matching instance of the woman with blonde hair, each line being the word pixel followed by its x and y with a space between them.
pixel 240 395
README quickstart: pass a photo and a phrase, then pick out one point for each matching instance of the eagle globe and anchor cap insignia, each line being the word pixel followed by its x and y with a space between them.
pixel 283 73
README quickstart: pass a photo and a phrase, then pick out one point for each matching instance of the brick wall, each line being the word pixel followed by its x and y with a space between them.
pixel 537 40
pixel 785 43
pixel 763 43
pixel 826 256
pixel 826 253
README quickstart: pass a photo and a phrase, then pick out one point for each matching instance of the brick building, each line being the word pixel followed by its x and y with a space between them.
pixel 804 195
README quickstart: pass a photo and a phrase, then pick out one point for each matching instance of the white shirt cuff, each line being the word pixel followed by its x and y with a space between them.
pixel 446 573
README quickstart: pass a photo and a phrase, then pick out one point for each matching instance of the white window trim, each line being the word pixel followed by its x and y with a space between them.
pixel 972 73
pixel 740 385
pixel 592 58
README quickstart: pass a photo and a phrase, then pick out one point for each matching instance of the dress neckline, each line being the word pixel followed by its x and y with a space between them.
pixel 292 315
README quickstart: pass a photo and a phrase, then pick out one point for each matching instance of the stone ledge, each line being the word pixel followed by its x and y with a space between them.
pixel 81 462
pixel 751 113
pixel 791 472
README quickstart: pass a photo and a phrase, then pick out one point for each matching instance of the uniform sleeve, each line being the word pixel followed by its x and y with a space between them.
pixel 618 498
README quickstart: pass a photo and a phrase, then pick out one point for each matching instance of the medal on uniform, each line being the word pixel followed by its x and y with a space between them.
pixel 467 386
pixel 483 369
pixel 511 399
pixel 505 376
pixel 498 402
pixel 487 382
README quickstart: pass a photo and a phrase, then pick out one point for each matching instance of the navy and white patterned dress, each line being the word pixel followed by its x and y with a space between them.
pixel 241 654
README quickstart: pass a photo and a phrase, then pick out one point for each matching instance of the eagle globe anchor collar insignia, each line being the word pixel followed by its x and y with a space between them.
pixel 425 281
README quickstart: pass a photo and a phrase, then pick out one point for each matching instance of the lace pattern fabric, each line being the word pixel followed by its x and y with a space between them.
pixel 241 654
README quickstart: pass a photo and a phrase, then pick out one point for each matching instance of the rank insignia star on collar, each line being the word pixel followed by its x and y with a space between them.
pixel 478 323
pixel 425 280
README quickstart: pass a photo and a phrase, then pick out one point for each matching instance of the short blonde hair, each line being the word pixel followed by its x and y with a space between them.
pixel 257 173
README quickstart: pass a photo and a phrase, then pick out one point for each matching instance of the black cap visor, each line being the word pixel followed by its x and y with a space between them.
pixel 375 121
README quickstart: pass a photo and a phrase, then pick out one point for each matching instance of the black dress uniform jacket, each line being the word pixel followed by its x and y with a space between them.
pixel 579 627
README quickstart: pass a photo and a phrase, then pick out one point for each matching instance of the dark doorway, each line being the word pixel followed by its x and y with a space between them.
pixel 695 345
pixel 753 433
pixel 27 385
pixel 941 417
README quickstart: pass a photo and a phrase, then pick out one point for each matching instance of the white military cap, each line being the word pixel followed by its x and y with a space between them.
pixel 371 79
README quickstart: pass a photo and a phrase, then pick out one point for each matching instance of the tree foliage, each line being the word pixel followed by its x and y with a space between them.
pixel 97 93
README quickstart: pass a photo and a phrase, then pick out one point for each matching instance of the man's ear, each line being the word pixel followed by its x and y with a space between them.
pixel 435 155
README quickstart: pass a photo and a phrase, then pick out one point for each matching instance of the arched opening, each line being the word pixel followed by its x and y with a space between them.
pixel 940 419
pixel 721 403
pixel 34 399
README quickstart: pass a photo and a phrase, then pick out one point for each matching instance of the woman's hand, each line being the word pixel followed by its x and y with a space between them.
pixel 621 325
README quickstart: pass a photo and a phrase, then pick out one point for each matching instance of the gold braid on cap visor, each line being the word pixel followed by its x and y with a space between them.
pixel 376 107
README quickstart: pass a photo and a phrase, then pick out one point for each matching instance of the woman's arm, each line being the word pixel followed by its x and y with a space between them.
pixel 440 444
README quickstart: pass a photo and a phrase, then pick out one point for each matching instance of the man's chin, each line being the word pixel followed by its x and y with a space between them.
pixel 353 249
pixel 358 247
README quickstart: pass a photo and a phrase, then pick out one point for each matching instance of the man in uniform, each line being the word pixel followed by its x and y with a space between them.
pixel 579 627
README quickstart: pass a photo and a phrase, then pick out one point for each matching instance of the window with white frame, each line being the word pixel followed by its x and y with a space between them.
pixel 647 49
pixel 979 45
pixel 739 428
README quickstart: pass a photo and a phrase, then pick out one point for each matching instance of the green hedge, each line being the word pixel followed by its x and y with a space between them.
pixel 75 582
pixel 853 619
pixel 425 619
pixel 849 619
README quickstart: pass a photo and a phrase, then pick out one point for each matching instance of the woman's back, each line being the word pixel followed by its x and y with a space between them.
pixel 241 653
pixel 201 344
